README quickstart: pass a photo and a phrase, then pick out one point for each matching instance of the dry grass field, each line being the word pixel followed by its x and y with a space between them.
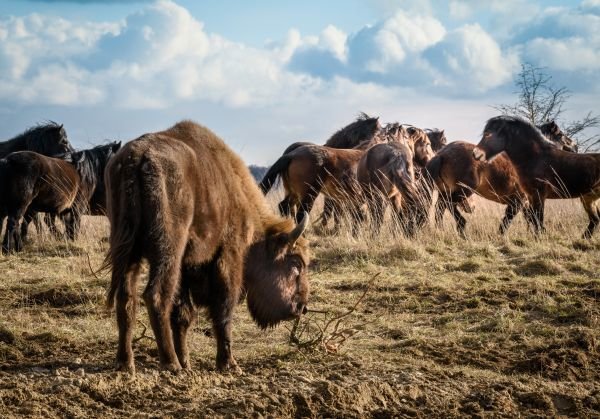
pixel 486 327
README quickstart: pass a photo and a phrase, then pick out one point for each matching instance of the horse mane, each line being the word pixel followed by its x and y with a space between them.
pixel 37 131
pixel 363 129
pixel 91 168
pixel 517 127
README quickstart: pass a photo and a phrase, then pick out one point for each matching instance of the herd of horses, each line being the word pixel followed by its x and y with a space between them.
pixel 402 165
pixel 186 204
pixel 40 172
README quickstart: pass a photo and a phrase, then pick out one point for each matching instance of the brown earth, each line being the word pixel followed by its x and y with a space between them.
pixel 488 327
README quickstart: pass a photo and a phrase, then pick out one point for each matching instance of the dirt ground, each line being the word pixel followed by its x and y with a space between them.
pixel 484 327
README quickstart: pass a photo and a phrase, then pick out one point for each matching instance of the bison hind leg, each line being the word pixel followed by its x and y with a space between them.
pixel 126 307
pixel 183 315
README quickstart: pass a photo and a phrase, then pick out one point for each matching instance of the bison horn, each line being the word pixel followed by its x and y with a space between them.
pixel 297 232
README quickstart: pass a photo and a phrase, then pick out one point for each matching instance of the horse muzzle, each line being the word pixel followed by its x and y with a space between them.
pixel 479 154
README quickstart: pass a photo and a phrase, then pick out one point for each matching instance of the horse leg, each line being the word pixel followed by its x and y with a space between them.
pixel 461 222
pixel 285 206
pixel 72 224
pixel 27 219
pixel 306 205
pixel 377 211
pixel 328 211
pixel 50 220
pixel 590 204
pixel 165 276
pixel 512 209
pixel 12 239
pixel 440 207
pixel 126 307
pixel 534 214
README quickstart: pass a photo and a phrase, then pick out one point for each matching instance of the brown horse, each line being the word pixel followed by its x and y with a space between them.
pixel 34 183
pixel 387 171
pixel 437 138
pixel 359 134
pixel 544 171
pixel 310 169
pixel 361 131
pixel 386 174
pixel 457 175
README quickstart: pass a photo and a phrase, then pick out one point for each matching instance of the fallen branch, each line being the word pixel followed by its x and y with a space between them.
pixel 328 340
pixel 90 266
pixel 143 335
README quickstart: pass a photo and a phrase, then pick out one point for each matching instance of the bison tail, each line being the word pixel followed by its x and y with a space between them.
pixel 274 172
pixel 123 206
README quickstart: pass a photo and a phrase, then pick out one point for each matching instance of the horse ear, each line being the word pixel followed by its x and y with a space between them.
pixel 442 132
pixel 116 146
pixel 60 127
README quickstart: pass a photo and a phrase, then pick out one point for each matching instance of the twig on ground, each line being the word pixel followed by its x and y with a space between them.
pixel 143 335
pixel 328 340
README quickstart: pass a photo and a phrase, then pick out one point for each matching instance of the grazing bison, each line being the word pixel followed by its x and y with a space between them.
pixel 31 183
pixel 183 201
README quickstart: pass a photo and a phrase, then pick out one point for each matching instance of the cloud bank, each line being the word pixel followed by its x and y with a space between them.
pixel 163 55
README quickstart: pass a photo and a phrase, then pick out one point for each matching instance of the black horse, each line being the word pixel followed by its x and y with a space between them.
pixel 49 139
pixel 68 187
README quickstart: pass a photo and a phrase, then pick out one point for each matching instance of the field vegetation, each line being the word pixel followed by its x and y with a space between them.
pixel 433 326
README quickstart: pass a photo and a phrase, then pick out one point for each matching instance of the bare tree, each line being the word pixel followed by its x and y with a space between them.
pixel 540 101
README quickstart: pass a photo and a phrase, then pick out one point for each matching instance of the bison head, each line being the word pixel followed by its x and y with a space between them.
pixel 276 278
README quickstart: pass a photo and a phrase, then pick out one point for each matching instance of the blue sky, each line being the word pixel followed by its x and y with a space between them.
pixel 266 73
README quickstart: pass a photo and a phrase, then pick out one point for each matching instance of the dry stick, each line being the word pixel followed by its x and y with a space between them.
pixel 90 266
pixel 143 336
pixel 321 338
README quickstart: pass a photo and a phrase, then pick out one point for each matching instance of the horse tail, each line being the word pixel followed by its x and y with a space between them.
pixel 124 202
pixel 402 180
pixel 274 172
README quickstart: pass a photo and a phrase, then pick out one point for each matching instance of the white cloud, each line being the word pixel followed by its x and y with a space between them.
pixel 162 56
pixel 469 56
pixel 551 53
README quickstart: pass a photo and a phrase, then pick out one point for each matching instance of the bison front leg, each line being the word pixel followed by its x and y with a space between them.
pixel 225 297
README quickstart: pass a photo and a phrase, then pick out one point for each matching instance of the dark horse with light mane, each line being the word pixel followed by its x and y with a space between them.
pixel 544 171
pixel 457 175
pixel 31 183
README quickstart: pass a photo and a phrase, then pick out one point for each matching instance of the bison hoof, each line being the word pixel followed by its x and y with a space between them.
pixel 173 367
pixel 125 367
pixel 230 366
